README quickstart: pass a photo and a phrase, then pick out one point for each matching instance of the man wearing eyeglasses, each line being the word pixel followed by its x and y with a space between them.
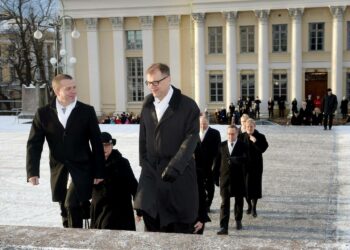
pixel 167 195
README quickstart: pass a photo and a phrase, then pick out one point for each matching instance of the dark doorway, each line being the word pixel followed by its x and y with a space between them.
pixel 315 84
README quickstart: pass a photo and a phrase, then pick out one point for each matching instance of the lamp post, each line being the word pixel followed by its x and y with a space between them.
pixel 56 60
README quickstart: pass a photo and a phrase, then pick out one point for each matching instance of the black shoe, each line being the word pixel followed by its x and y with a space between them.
pixel 222 231
pixel 254 213
pixel 238 225
pixel 249 210
pixel 330 128
pixel 325 128
pixel 208 210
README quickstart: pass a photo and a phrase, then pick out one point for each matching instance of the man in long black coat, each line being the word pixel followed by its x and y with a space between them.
pixel 257 145
pixel 210 141
pixel 329 106
pixel 167 193
pixel 111 204
pixel 233 157
pixel 69 127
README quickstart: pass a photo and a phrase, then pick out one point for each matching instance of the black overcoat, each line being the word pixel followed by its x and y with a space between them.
pixel 170 142
pixel 70 150
pixel 232 169
pixel 254 167
pixel 329 104
pixel 111 205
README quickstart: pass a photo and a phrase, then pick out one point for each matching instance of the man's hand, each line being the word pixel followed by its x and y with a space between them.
pixel 170 174
pixel 97 181
pixel 34 180
pixel 252 138
pixel 198 226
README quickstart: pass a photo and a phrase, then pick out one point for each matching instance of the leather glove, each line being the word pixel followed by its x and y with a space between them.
pixel 170 174
pixel 85 209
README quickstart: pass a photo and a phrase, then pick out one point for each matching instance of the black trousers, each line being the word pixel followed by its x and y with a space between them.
pixel 225 210
pixel 328 119
pixel 153 225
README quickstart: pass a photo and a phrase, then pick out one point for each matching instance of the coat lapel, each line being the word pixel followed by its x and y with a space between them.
pixel 55 115
pixel 72 117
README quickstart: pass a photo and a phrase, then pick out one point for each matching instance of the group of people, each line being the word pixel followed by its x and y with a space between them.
pixel 181 160
pixel 123 118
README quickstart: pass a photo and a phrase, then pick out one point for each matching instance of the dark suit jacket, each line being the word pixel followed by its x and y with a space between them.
pixel 69 149
pixel 232 169
pixel 329 104
pixel 209 150
pixel 170 142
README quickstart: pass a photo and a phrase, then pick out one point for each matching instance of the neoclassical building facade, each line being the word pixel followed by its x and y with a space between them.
pixel 217 51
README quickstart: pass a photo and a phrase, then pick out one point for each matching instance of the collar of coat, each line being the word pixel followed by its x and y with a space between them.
pixel 53 104
pixel 173 103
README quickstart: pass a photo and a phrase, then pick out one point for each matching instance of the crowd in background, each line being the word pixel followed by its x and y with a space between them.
pixel 123 118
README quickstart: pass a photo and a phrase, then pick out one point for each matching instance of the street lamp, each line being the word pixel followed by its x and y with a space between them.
pixel 59 53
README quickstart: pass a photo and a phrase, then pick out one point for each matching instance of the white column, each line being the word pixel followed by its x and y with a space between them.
pixel 337 50
pixel 174 49
pixel 263 58
pixel 93 64
pixel 231 58
pixel 296 55
pixel 199 60
pixel 147 45
pixel 120 80
pixel 68 46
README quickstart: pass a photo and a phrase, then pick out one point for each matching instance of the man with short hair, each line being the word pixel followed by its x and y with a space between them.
pixel 329 106
pixel 167 192
pixel 69 127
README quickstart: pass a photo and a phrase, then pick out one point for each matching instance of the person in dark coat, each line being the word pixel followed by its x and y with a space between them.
pixel 69 127
pixel 294 106
pixel 281 106
pixel 231 178
pixel 111 204
pixel 209 149
pixel 270 104
pixel 329 106
pixel 317 117
pixel 257 145
pixel 304 114
pixel 167 194
pixel 344 107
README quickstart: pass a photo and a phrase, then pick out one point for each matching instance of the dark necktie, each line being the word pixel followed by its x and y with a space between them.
pixel 64 110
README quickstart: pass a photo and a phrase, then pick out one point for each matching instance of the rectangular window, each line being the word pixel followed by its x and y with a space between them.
pixel 133 39
pixel 348 35
pixel 216 87
pixel 348 85
pixel 247 86
pixel 135 79
pixel 279 83
pixel 215 40
pixel 247 39
pixel 316 36
pixel 279 37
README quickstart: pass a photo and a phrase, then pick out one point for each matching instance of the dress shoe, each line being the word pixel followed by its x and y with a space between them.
pixel 222 231
pixel 249 211
pixel 254 213
pixel 238 225
pixel 325 128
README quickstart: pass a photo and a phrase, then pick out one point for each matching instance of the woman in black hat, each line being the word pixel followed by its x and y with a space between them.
pixel 111 206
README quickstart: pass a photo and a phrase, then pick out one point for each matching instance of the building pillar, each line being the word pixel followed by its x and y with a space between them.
pixel 263 58
pixel 68 46
pixel 337 50
pixel 199 60
pixel 174 49
pixel 93 64
pixel 296 55
pixel 147 45
pixel 120 79
pixel 231 58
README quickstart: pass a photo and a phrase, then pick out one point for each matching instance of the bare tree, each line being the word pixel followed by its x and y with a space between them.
pixel 26 54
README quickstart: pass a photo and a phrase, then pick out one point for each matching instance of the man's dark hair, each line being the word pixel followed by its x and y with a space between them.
pixel 163 68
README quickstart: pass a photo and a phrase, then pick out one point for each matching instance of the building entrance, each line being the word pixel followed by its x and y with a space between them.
pixel 316 84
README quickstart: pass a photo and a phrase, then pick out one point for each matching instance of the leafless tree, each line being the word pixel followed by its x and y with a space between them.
pixel 25 53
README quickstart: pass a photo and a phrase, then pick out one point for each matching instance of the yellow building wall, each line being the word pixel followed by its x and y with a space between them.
pixel 247 18
pixel 280 17
pixel 161 40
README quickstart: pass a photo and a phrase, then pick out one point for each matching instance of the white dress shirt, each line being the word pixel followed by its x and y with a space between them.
pixel 63 116
pixel 203 133
pixel 162 105
pixel 231 146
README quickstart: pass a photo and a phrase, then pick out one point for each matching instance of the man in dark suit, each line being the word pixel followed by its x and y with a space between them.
pixel 329 106
pixel 233 156
pixel 209 149
pixel 167 193
pixel 69 127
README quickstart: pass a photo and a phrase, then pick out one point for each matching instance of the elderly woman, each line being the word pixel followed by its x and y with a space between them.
pixel 257 145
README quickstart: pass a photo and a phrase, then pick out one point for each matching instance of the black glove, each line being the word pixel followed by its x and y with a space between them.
pixel 170 174
pixel 217 182
pixel 85 209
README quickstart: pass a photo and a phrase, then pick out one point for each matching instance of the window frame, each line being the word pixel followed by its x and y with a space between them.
pixel 249 89
pixel 314 35
pixel 282 85
pixel 247 39
pixel 216 87
pixel 278 43
pixel 135 42
pixel 135 82
pixel 215 38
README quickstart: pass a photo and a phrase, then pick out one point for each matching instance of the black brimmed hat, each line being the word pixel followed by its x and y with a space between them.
pixel 107 138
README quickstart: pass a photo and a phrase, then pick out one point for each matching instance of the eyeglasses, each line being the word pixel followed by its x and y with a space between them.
pixel 155 83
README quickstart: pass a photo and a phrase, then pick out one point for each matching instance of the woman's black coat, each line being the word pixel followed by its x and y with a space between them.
pixel 111 206
pixel 254 166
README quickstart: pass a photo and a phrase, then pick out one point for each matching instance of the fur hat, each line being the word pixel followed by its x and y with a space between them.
pixel 107 138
